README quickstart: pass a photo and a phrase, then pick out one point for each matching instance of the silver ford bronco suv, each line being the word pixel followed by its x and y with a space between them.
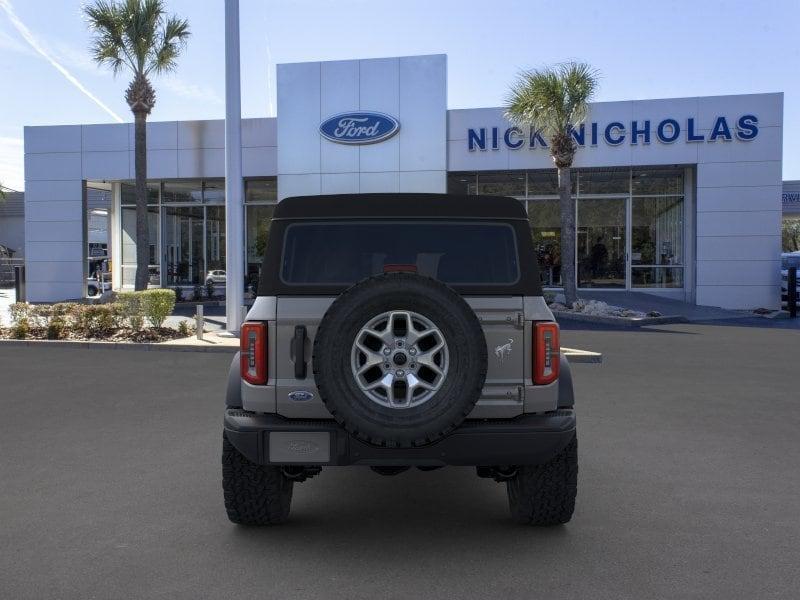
pixel 397 331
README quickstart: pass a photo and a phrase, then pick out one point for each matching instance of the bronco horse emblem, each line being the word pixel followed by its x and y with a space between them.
pixel 504 350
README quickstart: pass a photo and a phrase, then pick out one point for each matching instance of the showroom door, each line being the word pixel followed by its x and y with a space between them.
pixel 602 246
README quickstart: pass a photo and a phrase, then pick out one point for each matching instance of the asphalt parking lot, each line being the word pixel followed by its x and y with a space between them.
pixel 688 486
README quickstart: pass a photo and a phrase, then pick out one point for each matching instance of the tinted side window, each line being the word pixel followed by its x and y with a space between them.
pixel 341 253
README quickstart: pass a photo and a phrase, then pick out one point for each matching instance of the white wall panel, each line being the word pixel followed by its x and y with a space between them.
pixel 423 113
pixel 737 296
pixel 259 132
pixel 105 165
pixel 60 165
pixel 106 138
pixel 53 291
pixel 52 191
pixel 161 164
pixel 734 174
pixel 338 94
pixel 299 185
pixel 203 162
pixel 49 272
pixel 379 182
pixel 739 223
pixel 63 210
pixel 55 138
pixel 736 248
pixel 379 90
pixel 161 135
pixel 54 231
pixel 423 181
pixel 260 161
pixel 298 126
pixel 732 198
pixel 735 272
pixel 53 251
pixel 339 183
pixel 201 134
pixel 767 107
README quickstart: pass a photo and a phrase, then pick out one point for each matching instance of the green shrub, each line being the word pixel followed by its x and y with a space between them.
pixel 19 311
pixel 183 328
pixel 130 309
pixel 178 293
pixel 56 328
pixel 157 305
pixel 40 315
pixel 198 293
pixel 20 329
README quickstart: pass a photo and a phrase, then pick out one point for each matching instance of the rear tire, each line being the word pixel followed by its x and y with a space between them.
pixel 254 494
pixel 545 494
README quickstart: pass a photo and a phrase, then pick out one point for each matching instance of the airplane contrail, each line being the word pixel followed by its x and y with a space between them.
pixel 34 43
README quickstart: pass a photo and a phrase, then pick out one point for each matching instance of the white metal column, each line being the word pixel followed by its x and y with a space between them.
pixel 234 185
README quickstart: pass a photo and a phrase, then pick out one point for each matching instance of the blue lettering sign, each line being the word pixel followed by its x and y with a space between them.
pixel 637 132
pixel 720 129
pixel 536 137
pixel 476 139
pixel 579 135
pixel 610 129
pixel 513 131
pixel 359 128
pixel 661 131
pixel 614 133
pixel 691 136
pixel 747 127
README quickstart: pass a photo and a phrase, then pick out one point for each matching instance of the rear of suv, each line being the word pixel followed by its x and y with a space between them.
pixel 396 331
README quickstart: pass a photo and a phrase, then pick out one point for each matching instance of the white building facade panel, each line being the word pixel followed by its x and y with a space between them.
pixel 728 148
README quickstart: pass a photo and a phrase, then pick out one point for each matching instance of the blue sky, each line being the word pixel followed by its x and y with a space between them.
pixel 655 49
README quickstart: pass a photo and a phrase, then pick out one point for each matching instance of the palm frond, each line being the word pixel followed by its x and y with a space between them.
pixel 136 34
pixel 172 39
pixel 552 99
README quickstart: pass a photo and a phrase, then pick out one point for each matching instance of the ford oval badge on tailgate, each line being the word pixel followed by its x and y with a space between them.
pixel 301 396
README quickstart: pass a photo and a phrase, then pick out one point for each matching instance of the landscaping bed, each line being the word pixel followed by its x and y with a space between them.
pixel 596 311
pixel 136 317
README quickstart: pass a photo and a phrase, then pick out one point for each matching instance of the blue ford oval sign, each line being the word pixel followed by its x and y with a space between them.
pixel 359 128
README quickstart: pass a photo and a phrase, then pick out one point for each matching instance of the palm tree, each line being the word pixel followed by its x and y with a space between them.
pixel 554 100
pixel 137 35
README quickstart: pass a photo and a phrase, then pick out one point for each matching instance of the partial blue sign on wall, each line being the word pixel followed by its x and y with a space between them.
pixel 614 133
pixel 359 127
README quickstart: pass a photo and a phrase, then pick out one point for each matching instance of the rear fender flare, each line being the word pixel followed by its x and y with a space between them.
pixel 233 393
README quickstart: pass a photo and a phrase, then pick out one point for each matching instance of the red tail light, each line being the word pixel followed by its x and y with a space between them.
pixel 253 347
pixel 546 353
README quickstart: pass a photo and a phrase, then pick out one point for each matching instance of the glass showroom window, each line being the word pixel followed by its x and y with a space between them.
pixel 183 243
pixel 502 183
pixel 260 198
pixel 128 233
pixel 657 225
pixel 544 217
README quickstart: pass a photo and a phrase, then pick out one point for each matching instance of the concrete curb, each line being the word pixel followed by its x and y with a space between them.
pixel 147 347
pixel 619 321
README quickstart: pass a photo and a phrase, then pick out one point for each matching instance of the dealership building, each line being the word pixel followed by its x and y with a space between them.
pixel 677 197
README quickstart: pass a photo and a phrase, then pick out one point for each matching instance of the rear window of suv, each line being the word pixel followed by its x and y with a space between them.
pixel 342 253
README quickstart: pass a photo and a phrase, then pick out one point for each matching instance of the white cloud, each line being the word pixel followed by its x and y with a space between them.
pixel 12 170
pixel 190 91
pixel 34 43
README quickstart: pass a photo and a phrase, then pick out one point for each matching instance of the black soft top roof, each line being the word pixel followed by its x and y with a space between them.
pixel 399 205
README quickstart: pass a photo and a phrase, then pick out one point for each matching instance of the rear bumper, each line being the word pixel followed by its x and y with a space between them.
pixel 526 440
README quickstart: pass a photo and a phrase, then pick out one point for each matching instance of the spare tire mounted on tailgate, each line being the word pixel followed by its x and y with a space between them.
pixel 400 360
